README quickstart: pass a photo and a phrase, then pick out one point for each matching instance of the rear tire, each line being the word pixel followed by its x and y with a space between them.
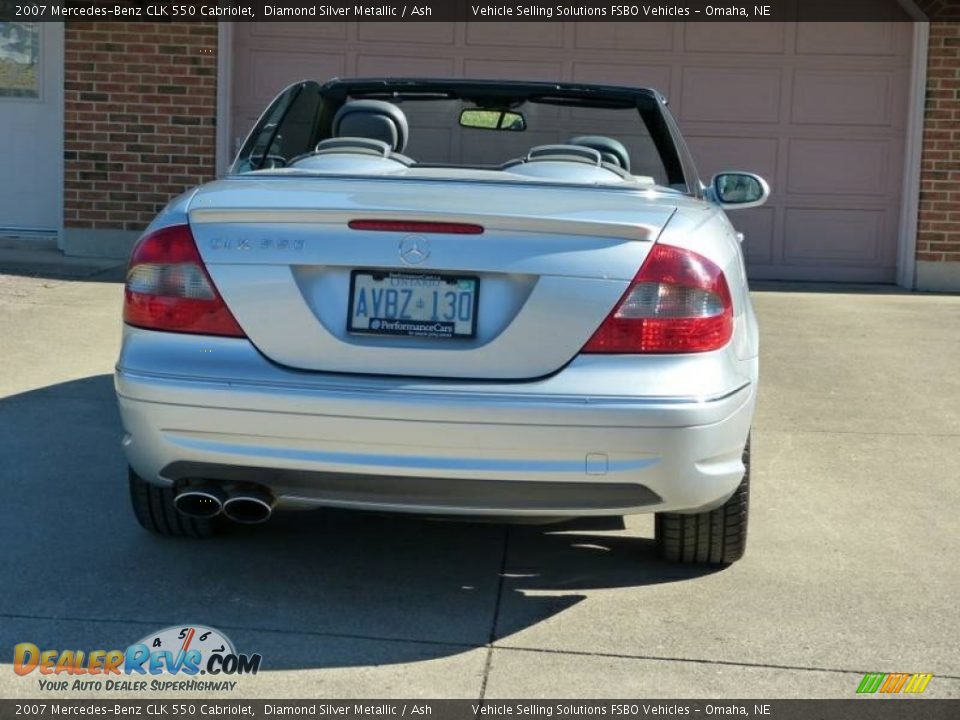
pixel 716 537
pixel 154 509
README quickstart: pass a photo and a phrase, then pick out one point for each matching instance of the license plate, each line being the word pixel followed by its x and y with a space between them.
pixel 413 304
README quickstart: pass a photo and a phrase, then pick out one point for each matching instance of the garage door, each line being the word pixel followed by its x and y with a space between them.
pixel 819 109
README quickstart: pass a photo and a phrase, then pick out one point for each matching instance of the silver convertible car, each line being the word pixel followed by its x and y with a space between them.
pixel 449 298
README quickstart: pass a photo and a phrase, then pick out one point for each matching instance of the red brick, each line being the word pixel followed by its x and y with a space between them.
pixel 116 108
pixel 938 237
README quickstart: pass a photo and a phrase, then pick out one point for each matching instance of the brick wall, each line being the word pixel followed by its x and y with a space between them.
pixel 938 237
pixel 139 112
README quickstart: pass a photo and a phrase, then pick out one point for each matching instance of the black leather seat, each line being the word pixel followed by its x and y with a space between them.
pixel 374 119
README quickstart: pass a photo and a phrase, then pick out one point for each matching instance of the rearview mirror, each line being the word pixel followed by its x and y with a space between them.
pixel 736 190
pixel 492 120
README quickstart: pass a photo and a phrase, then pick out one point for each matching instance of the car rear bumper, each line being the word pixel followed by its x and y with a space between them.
pixel 214 408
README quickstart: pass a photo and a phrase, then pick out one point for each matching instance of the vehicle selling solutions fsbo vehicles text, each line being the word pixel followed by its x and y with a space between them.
pixel 617 11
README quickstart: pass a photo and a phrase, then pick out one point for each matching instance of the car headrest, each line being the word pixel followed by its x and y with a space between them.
pixel 612 151
pixel 374 119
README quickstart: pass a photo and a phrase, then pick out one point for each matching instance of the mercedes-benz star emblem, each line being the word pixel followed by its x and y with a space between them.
pixel 414 249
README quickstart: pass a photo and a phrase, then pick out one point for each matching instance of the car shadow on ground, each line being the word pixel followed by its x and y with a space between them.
pixel 308 589
pixel 56 267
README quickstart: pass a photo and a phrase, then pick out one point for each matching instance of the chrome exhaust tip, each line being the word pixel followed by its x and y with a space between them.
pixel 249 507
pixel 200 501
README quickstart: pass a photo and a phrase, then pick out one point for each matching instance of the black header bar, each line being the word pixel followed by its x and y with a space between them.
pixel 197 708
pixel 618 11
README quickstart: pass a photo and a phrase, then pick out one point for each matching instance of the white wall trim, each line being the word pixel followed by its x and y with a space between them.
pixel 913 151
pixel 224 151
pixel 58 35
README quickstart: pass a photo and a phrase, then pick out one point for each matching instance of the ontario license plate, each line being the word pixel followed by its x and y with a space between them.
pixel 413 304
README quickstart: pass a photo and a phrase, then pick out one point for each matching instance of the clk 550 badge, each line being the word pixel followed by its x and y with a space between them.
pixel 256 244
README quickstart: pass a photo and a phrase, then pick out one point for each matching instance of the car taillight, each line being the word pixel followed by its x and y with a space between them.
pixel 679 302
pixel 168 287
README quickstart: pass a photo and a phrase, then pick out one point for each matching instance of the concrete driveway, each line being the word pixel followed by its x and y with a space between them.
pixel 852 564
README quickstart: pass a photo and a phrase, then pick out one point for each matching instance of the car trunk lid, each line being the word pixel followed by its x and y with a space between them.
pixel 550 263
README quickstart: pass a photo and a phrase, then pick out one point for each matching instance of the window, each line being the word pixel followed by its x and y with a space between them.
pixel 19 59
pixel 631 127
pixel 287 129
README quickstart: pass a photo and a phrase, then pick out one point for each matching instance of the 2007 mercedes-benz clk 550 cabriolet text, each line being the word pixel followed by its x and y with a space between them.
pixel 450 298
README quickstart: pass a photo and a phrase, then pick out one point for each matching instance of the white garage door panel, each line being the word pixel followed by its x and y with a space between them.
pixel 819 109
pixel 271 69
pixel 735 37
pixel 831 97
pixel 385 65
pixel 512 70
pixel 730 94
pixel 869 38
pixel 313 32
pixel 757 226
pixel 845 167
pixel 811 235
pixel 713 154
pixel 420 33
pixel 515 35
pixel 603 36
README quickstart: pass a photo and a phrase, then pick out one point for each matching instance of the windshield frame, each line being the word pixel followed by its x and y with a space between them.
pixel 650 104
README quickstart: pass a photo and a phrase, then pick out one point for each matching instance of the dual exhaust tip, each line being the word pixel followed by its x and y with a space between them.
pixel 248 507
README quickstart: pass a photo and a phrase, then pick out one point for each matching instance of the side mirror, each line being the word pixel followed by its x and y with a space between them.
pixel 735 190
pixel 493 120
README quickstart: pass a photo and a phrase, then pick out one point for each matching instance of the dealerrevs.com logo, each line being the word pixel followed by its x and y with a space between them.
pixel 171 659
